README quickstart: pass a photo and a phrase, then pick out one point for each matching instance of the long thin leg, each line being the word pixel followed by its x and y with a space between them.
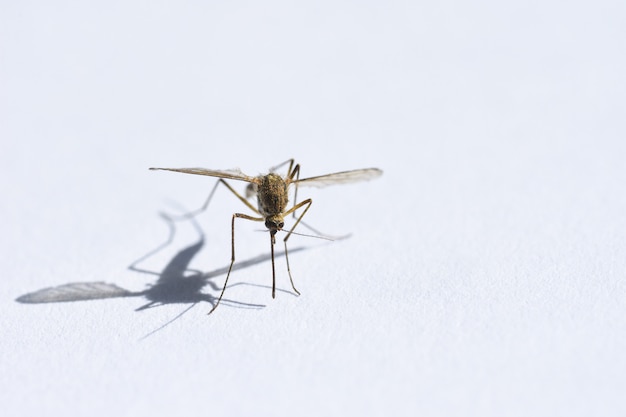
pixel 240 197
pixel 306 202
pixel 294 176
pixel 324 235
pixel 194 213
pixel 291 175
pixel 292 172
pixel 232 248
pixel 282 164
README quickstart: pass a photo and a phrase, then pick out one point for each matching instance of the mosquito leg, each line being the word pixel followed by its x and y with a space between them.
pixel 289 271
pixel 294 176
pixel 194 213
pixel 240 197
pixel 282 164
pixel 291 175
pixel 232 248
pixel 292 172
pixel 324 235
pixel 306 202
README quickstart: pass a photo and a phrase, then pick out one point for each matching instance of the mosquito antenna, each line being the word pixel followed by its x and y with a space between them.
pixel 329 238
pixel 313 236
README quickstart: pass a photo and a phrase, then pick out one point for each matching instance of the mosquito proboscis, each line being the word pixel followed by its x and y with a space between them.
pixel 272 192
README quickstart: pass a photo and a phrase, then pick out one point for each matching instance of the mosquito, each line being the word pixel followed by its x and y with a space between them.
pixel 272 191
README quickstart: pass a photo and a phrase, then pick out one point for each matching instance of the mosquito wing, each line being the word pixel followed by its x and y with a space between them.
pixel 344 177
pixel 231 174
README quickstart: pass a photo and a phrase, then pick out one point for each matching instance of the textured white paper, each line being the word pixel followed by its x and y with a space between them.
pixel 484 274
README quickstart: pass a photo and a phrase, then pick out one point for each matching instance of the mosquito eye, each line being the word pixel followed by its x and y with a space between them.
pixel 280 225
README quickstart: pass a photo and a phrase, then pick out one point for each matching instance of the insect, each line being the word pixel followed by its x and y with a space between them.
pixel 272 192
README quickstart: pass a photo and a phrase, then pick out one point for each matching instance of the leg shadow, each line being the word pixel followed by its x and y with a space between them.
pixel 175 284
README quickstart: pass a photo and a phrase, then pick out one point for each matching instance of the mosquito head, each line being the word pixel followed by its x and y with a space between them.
pixel 274 223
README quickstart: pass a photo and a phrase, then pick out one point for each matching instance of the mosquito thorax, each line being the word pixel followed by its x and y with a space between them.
pixel 272 195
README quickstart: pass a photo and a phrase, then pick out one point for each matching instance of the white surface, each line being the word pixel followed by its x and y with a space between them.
pixel 485 274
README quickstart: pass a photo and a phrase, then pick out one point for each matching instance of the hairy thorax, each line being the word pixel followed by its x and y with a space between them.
pixel 272 195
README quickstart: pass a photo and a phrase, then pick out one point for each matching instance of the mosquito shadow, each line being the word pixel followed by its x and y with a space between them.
pixel 177 283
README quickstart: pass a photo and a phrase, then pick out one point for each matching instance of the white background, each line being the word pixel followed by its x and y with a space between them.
pixel 485 271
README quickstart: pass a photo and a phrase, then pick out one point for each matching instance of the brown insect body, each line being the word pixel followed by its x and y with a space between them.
pixel 272 197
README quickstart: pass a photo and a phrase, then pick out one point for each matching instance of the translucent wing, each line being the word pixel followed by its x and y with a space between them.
pixel 344 177
pixel 231 174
